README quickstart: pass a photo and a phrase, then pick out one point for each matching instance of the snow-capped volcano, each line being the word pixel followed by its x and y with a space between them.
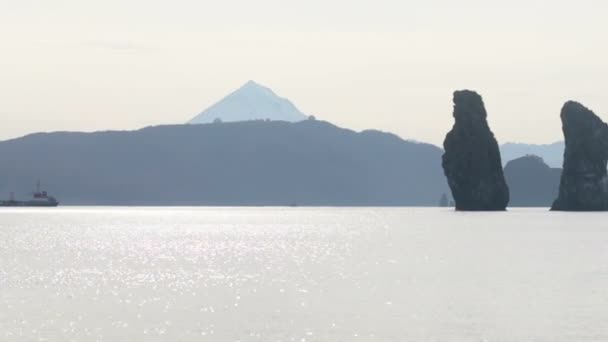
pixel 252 101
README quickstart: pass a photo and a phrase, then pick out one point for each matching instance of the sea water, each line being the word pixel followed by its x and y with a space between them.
pixel 302 274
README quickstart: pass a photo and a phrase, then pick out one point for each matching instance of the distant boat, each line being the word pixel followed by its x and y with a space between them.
pixel 40 198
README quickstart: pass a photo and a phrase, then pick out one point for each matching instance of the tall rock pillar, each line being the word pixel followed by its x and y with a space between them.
pixel 471 161
pixel 584 183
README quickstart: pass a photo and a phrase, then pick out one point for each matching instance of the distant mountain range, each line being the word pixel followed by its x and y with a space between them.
pixel 552 154
pixel 252 101
pixel 254 148
pixel 245 163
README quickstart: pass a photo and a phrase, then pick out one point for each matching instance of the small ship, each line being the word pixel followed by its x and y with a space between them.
pixel 40 198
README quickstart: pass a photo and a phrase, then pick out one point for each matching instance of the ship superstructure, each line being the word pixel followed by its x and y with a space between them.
pixel 40 198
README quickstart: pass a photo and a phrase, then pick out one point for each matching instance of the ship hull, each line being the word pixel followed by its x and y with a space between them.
pixel 27 204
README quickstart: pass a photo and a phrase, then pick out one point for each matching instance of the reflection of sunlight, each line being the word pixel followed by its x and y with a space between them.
pixel 302 273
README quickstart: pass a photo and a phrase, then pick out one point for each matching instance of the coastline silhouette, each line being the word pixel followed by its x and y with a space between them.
pixel 311 162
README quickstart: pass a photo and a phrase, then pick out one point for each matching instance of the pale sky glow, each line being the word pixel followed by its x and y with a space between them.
pixel 384 64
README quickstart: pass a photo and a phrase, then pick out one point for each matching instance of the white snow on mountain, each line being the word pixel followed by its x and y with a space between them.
pixel 252 101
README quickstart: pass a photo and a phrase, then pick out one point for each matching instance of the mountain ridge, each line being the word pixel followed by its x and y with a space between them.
pixel 552 154
pixel 252 163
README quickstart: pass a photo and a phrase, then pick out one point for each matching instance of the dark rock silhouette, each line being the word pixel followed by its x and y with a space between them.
pixel 552 154
pixel 471 161
pixel 532 183
pixel 311 162
pixel 584 183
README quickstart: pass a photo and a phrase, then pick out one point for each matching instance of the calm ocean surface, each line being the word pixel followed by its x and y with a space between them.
pixel 300 274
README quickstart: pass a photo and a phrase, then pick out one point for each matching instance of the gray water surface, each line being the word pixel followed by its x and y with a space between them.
pixel 300 274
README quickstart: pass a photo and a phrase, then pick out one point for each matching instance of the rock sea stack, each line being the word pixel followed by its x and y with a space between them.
pixel 584 183
pixel 471 161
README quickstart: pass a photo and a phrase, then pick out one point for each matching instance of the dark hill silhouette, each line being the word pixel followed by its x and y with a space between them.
pixel 532 183
pixel 552 154
pixel 243 163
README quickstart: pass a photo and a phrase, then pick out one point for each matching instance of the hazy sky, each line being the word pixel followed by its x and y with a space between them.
pixel 385 64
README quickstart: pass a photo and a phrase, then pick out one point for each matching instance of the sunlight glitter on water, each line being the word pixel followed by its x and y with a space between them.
pixel 293 274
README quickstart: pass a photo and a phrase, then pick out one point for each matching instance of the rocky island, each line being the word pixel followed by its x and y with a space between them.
pixel 584 183
pixel 471 161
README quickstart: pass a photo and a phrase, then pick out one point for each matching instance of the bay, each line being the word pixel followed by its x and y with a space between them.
pixel 302 274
